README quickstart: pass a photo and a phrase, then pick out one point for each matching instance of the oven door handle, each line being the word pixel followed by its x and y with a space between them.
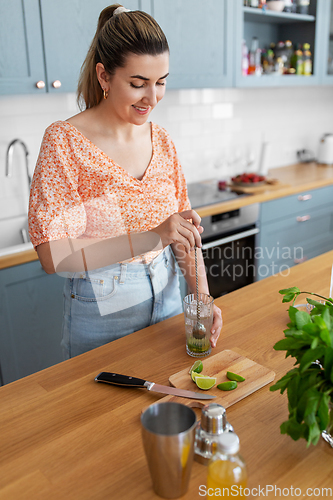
pixel 229 239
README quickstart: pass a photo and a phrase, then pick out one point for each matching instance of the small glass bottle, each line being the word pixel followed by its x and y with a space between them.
pixel 245 59
pixel 302 6
pixel 252 56
pixel 307 60
pixel 227 474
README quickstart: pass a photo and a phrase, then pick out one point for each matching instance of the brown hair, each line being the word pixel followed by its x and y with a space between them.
pixel 116 36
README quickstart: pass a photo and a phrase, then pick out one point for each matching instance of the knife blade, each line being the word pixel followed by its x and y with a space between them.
pixel 127 381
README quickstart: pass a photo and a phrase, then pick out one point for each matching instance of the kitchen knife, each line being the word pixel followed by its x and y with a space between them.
pixel 126 381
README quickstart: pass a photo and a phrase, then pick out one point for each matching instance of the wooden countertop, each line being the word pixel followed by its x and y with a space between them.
pixel 294 178
pixel 62 436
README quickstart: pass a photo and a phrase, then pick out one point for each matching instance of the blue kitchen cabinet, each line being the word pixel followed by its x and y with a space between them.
pixel 294 229
pixel 269 26
pixel 200 39
pixel 21 54
pixel 45 42
pixel 31 311
pixel 327 44
pixel 68 29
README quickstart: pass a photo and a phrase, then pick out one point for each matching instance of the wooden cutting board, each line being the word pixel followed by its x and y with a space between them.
pixel 256 376
pixel 270 185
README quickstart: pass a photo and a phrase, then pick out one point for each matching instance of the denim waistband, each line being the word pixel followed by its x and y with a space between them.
pixel 128 270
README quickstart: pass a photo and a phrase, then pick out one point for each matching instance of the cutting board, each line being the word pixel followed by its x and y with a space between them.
pixel 270 185
pixel 256 376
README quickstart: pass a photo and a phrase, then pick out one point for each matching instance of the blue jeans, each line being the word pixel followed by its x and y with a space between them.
pixel 108 303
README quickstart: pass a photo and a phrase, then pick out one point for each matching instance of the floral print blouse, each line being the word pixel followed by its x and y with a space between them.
pixel 79 192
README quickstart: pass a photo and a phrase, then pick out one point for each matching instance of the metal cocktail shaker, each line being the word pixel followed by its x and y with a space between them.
pixel 168 431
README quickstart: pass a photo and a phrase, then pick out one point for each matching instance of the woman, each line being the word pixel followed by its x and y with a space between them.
pixel 108 204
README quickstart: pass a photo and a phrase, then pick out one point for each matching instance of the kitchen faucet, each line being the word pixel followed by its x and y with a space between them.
pixel 9 159
pixel 9 166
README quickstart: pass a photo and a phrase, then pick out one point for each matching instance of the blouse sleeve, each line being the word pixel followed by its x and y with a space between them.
pixel 56 210
pixel 180 183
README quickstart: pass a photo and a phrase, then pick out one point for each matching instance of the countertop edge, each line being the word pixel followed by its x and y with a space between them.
pixel 217 208
pixel 15 259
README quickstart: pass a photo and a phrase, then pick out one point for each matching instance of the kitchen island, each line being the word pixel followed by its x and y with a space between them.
pixel 62 436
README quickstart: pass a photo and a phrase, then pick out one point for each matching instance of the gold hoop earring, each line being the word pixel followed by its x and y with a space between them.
pixel 105 94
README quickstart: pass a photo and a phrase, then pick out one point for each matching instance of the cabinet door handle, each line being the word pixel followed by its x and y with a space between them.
pixel 40 84
pixel 299 261
pixel 304 197
pixel 303 218
pixel 56 84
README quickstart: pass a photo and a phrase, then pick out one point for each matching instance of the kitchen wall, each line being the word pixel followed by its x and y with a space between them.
pixel 217 132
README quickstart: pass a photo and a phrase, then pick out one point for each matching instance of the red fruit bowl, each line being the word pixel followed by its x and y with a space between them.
pixel 249 179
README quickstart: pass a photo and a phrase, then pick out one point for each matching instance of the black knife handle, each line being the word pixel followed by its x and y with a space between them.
pixel 117 379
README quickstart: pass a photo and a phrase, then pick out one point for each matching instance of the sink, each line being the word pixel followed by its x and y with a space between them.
pixel 14 236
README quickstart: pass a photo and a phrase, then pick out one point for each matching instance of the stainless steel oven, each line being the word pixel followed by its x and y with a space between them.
pixel 228 240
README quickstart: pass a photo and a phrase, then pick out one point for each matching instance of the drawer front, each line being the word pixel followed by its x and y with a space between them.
pixel 267 268
pixel 290 240
pixel 300 204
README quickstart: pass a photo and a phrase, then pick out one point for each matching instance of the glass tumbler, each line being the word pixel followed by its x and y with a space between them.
pixel 197 344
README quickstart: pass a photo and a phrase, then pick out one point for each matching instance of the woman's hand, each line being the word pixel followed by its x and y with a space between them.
pixel 216 326
pixel 178 228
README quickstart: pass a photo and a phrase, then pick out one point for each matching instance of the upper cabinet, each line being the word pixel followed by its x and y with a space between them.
pixel 21 54
pixel 200 39
pixel 68 29
pixel 44 43
pixel 327 57
pixel 271 27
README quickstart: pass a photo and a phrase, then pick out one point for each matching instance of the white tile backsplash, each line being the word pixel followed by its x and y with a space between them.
pixel 217 132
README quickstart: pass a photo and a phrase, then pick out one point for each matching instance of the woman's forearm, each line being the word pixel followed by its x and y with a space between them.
pixel 78 255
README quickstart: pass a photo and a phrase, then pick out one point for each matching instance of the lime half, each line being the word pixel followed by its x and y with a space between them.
pixel 196 367
pixel 205 383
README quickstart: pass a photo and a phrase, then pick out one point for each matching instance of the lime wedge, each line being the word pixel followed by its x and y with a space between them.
pixel 195 375
pixel 205 383
pixel 227 386
pixel 235 376
pixel 196 367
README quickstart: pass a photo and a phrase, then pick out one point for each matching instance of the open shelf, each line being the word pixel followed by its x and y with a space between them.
pixel 269 16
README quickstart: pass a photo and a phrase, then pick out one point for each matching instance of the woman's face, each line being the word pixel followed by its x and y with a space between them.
pixel 135 89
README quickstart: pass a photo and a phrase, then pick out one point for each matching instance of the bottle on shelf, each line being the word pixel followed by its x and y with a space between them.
pixel 255 53
pixel 268 61
pixel 307 60
pixel 288 53
pixel 254 3
pixel 297 60
pixel 227 472
pixel 245 59
pixel 279 66
pixel 302 6
pixel 282 52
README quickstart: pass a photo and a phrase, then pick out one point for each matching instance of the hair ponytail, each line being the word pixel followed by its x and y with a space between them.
pixel 116 36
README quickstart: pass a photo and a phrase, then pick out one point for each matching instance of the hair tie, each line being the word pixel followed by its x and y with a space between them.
pixel 120 10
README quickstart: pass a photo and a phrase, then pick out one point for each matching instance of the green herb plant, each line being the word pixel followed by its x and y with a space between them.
pixel 308 339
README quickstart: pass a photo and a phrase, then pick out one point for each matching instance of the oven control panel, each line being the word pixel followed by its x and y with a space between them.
pixel 216 225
